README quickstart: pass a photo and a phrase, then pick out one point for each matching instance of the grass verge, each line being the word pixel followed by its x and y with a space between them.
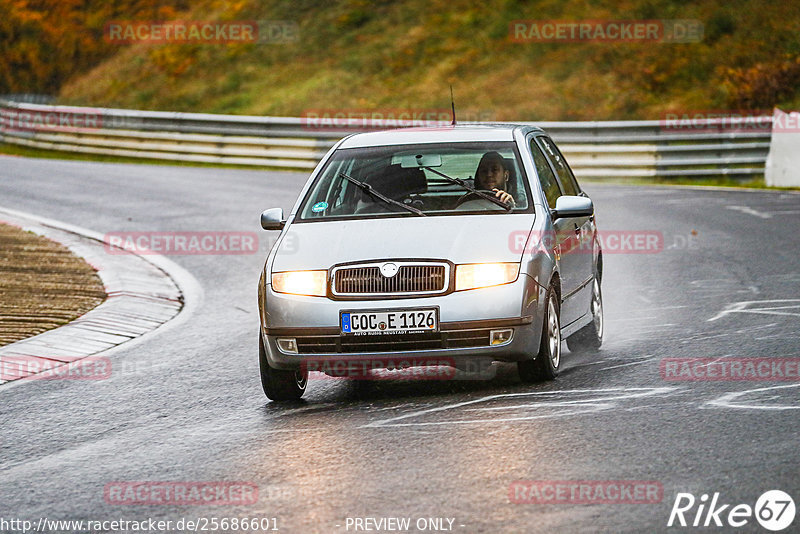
pixel 14 150
pixel 28 152
pixel 757 183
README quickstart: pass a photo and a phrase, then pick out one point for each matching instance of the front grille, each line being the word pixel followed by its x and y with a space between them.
pixel 393 342
pixel 419 278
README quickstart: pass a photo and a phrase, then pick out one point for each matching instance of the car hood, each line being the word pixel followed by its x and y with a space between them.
pixel 460 239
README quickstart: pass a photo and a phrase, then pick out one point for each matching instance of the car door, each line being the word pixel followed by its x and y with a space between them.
pixel 561 230
pixel 574 236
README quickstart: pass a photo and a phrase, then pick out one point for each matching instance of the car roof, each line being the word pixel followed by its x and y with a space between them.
pixel 461 133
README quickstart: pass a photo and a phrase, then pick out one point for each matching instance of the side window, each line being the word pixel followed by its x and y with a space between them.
pixel 568 181
pixel 546 176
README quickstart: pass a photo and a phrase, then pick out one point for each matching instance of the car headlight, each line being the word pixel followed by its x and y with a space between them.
pixel 312 283
pixel 475 275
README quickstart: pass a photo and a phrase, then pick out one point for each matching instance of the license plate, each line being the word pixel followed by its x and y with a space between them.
pixel 408 321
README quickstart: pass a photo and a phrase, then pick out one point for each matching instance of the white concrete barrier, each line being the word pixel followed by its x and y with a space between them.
pixel 783 162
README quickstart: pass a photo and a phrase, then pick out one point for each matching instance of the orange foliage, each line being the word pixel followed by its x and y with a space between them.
pixel 45 42
pixel 764 84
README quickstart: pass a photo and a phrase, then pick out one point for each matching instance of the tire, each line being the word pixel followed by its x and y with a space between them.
pixel 548 360
pixel 590 337
pixel 280 385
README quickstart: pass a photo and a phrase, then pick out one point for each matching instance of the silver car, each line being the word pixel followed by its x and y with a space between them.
pixel 431 247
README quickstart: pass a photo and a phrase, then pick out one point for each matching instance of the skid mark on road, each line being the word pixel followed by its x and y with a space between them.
pixel 750 211
pixel 739 399
pixel 542 404
pixel 789 307
pixel 637 311
pixel 646 360
pixel 711 287
pixel 627 320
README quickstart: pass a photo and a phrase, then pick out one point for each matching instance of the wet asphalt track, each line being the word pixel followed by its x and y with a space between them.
pixel 186 404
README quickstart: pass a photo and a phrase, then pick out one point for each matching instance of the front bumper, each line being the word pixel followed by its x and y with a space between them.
pixel 466 318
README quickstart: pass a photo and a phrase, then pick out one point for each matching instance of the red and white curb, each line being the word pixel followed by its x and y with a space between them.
pixel 144 292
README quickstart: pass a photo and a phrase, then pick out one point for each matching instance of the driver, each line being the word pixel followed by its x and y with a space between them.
pixel 492 175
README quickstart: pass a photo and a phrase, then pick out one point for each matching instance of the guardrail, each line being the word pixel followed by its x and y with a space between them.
pixel 606 149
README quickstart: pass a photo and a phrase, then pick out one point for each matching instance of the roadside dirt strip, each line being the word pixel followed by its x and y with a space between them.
pixel 42 285
pixel 141 297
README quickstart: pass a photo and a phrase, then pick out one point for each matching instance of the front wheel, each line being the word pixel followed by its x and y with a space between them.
pixel 590 337
pixel 280 385
pixel 548 361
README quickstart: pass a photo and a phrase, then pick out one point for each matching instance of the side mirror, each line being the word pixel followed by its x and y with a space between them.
pixel 272 219
pixel 573 206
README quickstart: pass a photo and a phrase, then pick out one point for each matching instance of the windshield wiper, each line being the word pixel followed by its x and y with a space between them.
pixel 465 185
pixel 372 192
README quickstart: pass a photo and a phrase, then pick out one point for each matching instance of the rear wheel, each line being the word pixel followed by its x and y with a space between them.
pixel 590 337
pixel 280 385
pixel 547 362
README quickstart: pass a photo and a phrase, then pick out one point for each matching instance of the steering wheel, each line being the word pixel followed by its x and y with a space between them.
pixel 470 196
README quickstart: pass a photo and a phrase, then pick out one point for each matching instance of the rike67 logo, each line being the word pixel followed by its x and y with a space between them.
pixel 774 510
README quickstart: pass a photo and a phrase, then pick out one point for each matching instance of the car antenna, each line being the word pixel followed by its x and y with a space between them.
pixel 452 106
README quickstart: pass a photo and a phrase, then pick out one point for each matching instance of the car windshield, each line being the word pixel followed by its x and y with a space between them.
pixel 413 180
